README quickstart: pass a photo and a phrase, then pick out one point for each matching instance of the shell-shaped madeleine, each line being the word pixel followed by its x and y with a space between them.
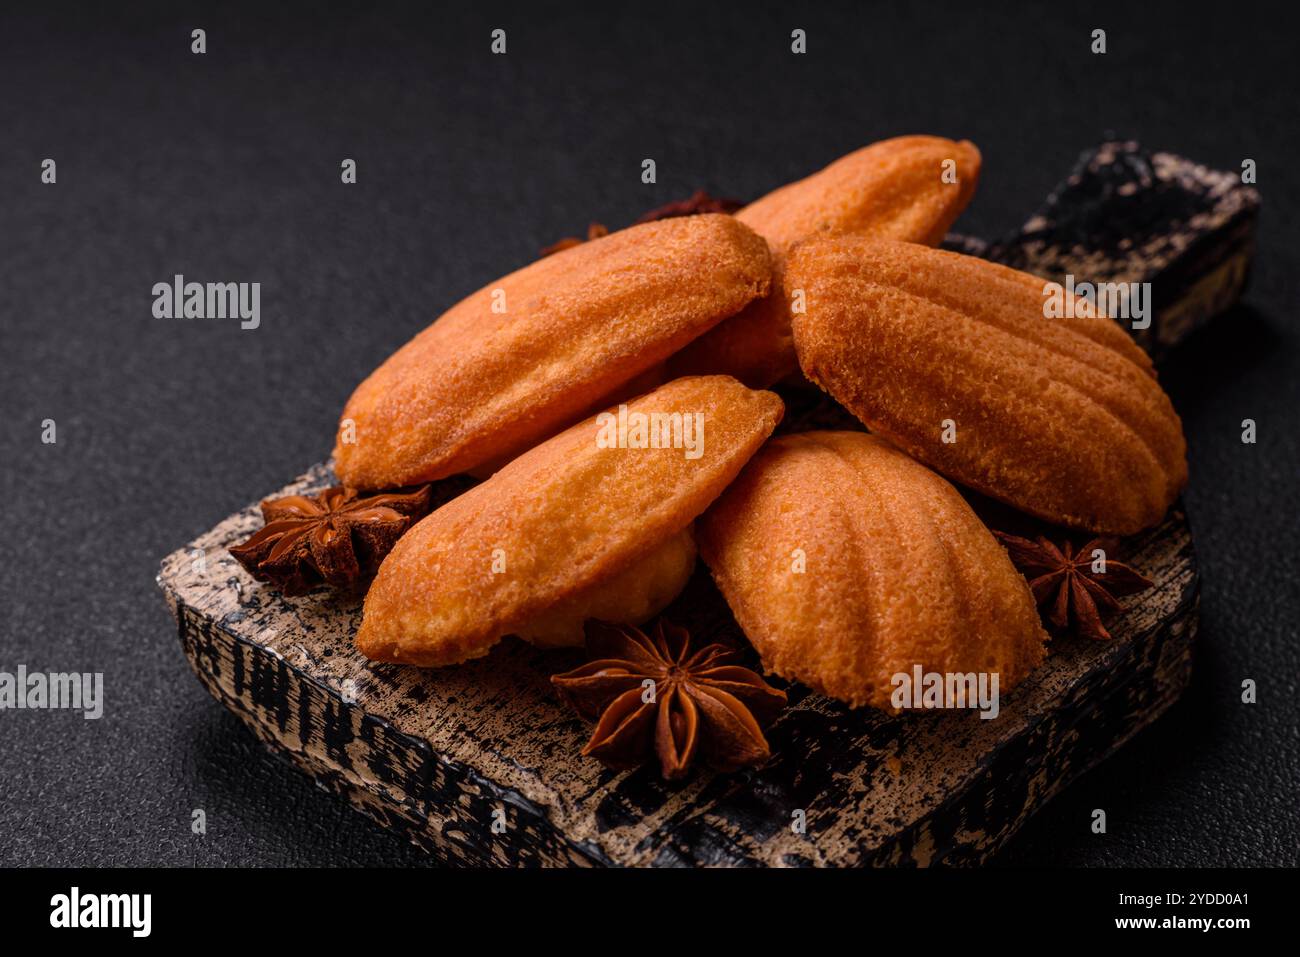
pixel 534 351
pixel 954 360
pixel 561 520
pixel 908 188
pixel 846 563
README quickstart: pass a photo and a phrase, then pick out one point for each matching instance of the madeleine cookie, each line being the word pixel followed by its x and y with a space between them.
pixel 909 188
pixel 592 523
pixel 531 353
pixel 848 563
pixel 953 359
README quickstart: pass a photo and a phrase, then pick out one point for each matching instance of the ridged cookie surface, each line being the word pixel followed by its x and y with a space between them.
pixel 1060 417
pixel 561 519
pixel 896 570
pixel 894 189
pixel 528 354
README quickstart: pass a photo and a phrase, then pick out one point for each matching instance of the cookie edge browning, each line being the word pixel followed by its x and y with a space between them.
pixel 502 425
pixel 383 636
pixel 758 608
pixel 817 349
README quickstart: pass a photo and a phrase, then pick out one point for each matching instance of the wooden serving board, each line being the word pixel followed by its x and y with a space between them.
pixel 435 753
pixel 480 763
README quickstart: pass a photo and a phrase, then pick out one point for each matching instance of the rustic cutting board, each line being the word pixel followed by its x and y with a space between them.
pixel 480 763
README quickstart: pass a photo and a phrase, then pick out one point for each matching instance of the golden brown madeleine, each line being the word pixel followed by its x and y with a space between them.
pixel 846 562
pixel 952 359
pixel 530 353
pixel 561 522
pixel 894 189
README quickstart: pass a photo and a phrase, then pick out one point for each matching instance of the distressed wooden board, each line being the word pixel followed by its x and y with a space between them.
pixel 434 754
pixel 1127 214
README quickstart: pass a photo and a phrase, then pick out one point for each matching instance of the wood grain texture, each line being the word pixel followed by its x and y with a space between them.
pixel 435 753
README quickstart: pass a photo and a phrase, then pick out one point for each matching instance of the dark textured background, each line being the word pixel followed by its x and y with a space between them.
pixel 226 167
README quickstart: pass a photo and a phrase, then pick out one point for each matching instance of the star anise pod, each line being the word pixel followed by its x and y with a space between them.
pixel 336 537
pixel 656 694
pixel 699 202
pixel 1066 586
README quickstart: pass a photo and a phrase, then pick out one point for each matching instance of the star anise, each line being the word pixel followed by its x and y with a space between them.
pixel 699 202
pixel 656 694
pixel 1067 586
pixel 336 537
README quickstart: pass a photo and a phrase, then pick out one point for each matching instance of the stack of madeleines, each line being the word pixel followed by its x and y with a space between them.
pixel 615 395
